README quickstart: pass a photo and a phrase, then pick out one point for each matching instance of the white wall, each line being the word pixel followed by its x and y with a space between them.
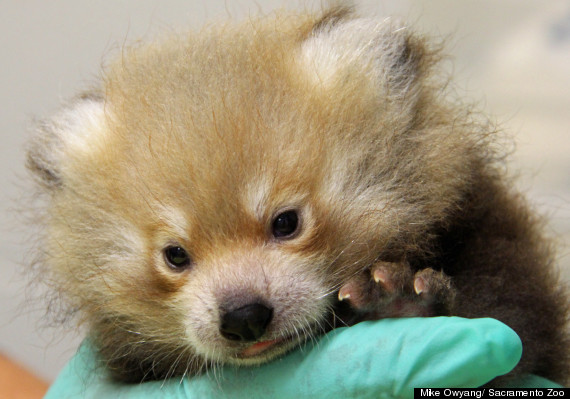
pixel 513 56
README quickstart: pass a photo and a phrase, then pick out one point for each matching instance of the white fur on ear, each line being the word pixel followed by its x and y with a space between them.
pixel 380 49
pixel 69 133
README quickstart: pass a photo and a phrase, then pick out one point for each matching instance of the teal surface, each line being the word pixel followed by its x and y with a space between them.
pixel 380 359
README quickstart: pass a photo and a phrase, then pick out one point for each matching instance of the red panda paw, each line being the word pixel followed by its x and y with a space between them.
pixel 391 289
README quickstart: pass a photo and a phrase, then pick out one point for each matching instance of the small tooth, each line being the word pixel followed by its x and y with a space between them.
pixel 343 294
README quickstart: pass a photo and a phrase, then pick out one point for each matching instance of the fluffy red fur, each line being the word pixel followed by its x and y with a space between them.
pixel 202 142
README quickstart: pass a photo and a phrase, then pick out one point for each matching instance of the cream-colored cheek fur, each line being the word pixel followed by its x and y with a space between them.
pixel 92 264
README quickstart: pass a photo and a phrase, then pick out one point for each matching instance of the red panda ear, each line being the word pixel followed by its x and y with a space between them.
pixel 384 50
pixel 66 136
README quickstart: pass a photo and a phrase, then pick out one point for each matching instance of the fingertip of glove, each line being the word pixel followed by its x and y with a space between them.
pixel 505 345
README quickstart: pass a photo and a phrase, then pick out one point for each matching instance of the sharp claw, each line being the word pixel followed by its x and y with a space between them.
pixel 379 276
pixel 419 285
pixel 343 294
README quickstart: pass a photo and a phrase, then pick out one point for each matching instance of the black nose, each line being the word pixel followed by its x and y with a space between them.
pixel 247 323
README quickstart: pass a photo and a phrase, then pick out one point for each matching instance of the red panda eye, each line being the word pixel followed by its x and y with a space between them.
pixel 177 257
pixel 285 224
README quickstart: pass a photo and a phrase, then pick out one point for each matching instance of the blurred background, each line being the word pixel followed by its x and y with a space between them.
pixel 510 57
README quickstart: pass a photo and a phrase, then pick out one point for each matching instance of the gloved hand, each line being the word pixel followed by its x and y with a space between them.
pixel 379 359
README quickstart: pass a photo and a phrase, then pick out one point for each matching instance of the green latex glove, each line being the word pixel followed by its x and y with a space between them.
pixel 380 359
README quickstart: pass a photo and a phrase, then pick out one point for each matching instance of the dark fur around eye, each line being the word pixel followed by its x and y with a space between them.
pixel 285 225
pixel 177 258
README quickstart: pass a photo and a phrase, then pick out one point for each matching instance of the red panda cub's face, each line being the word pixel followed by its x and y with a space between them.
pixel 212 196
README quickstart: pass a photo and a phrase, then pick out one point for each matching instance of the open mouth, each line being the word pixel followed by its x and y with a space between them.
pixel 273 346
pixel 335 318
pixel 260 347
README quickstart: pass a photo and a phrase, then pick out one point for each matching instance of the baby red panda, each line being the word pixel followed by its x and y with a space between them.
pixel 225 195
